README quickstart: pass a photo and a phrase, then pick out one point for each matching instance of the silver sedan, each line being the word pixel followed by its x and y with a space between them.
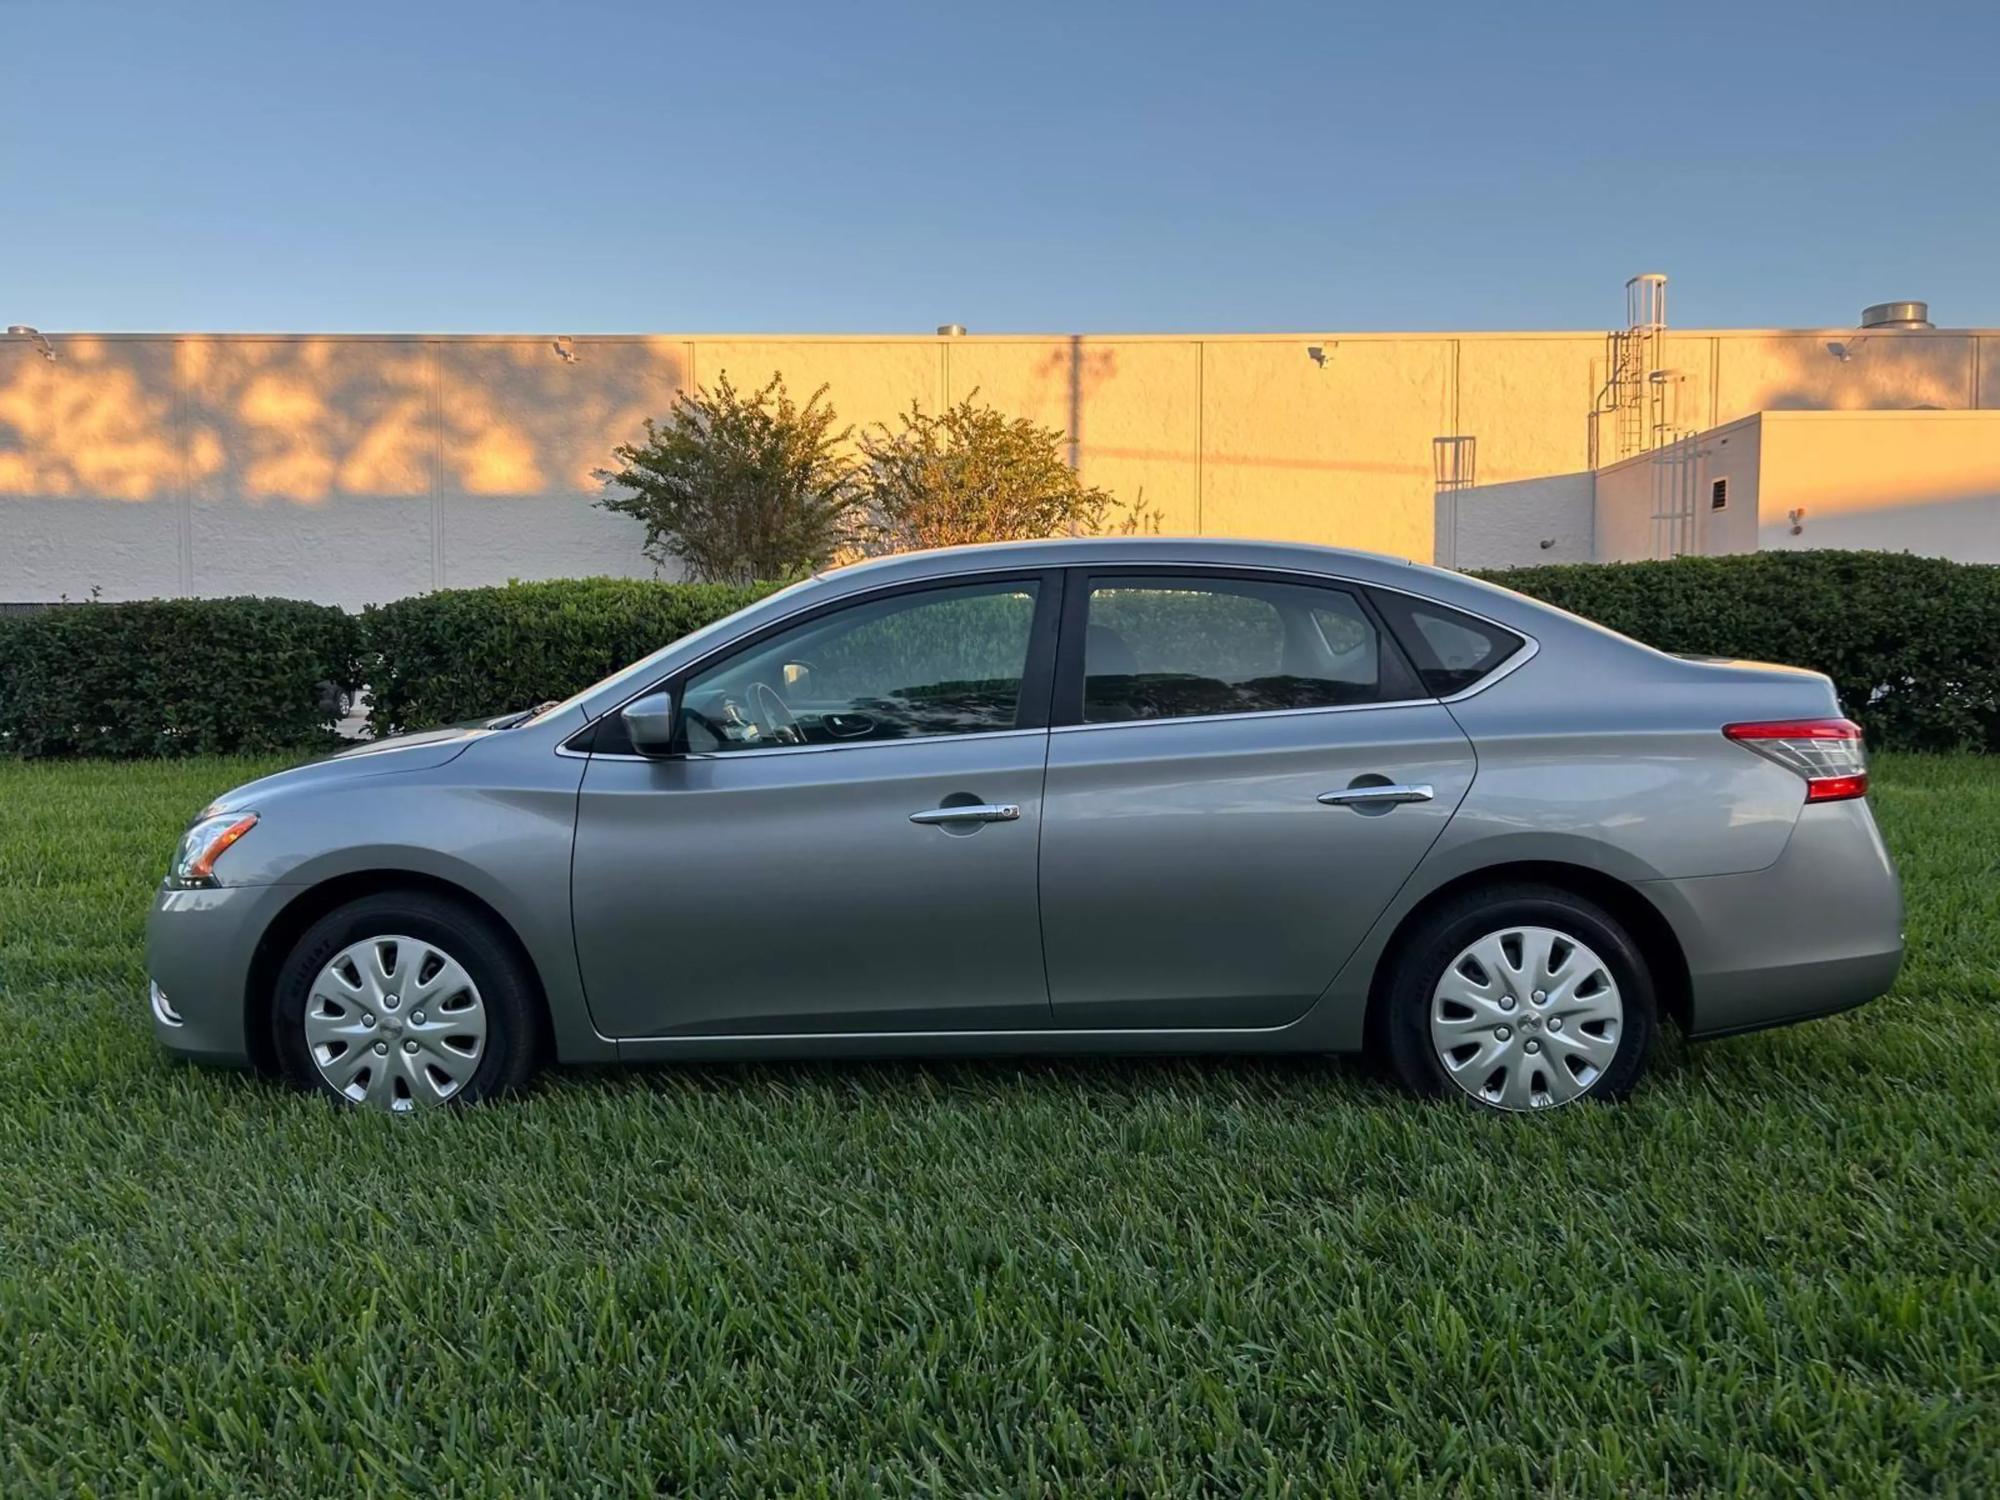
pixel 1093 796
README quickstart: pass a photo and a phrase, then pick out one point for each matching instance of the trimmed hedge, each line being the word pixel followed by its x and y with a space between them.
pixel 470 653
pixel 1912 643
pixel 173 677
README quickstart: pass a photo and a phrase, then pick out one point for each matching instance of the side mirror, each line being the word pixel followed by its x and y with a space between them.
pixel 649 722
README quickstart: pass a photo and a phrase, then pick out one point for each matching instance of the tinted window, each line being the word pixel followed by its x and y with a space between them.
pixel 1451 651
pixel 1163 648
pixel 944 661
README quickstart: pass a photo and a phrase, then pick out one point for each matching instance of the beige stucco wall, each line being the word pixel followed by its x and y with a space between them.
pixel 361 468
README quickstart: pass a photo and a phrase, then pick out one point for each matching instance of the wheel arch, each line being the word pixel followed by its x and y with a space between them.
pixel 315 901
pixel 1650 929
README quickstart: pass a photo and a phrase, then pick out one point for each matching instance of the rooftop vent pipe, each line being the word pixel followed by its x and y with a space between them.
pixel 1897 315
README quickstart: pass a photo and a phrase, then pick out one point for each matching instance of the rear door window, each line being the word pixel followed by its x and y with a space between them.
pixel 1179 647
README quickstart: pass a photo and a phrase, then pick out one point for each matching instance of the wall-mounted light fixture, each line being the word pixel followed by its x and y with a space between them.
pixel 565 350
pixel 1844 349
pixel 1317 354
pixel 34 335
pixel 1798 519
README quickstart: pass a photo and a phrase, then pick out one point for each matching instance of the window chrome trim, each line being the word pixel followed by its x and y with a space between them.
pixel 1521 656
pixel 1249 713
pixel 770 750
pixel 1529 648
pixel 1525 654
pixel 1517 659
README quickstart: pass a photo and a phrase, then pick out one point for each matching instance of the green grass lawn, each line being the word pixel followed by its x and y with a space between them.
pixel 1774 1272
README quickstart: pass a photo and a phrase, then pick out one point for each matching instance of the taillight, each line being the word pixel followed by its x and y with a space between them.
pixel 1826 753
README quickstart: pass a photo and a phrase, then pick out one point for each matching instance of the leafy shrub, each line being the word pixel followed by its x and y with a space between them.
pixel 173 677
pixel 1912 643
pixel 971 474
pixel 734 487
pixel 471 653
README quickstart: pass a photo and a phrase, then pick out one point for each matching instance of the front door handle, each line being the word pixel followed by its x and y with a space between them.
pixel 1378 795
pixel 978 812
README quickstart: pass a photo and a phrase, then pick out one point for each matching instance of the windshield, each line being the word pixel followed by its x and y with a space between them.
pixel 645 664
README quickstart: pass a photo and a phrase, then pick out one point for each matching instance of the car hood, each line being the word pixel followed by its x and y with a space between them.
pixel 423 751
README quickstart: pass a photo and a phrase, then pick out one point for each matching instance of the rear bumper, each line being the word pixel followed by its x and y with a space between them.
pixel 199 945
pixel 1818 931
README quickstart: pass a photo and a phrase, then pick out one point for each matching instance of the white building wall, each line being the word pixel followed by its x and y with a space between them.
pixel 1530 521
pixel 1926 482
pixel 1623 511
pixel 1631 491
pixel 1733 456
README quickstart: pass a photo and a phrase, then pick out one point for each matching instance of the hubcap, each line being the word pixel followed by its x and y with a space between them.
pixel 395 1023
pixel 1526 1018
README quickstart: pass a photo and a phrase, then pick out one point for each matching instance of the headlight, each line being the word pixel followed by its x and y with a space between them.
pixel 203 844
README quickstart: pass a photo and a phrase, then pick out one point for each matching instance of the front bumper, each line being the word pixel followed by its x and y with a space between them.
pixel 1819 930
pixel 199 947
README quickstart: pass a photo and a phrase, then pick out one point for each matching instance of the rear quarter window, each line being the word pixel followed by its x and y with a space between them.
pixel 1451 650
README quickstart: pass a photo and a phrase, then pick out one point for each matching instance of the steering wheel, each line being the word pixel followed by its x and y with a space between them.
pixel 773 716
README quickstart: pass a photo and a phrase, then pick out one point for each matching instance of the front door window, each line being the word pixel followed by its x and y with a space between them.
pixel 940 662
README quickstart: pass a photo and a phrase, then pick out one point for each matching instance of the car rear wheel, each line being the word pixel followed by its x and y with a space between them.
pixel 405 1001
pixel 1520 998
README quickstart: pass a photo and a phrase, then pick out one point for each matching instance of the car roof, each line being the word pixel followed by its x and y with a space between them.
pixel 1069 552
pixel 1471 594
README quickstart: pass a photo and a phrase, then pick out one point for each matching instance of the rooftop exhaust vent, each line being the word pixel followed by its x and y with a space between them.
pixel 1897 315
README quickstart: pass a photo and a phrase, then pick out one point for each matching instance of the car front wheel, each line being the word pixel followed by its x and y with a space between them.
pixel 1520 998
pixel 403 1001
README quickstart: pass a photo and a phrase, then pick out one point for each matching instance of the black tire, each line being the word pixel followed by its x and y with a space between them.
pixel 507 989
pixel 1403 1032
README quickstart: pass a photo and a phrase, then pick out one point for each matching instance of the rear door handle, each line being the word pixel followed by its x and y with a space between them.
pixel 1376 796
pixel 982 812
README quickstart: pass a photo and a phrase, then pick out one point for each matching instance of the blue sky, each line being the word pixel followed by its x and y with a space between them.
pixel 583 167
